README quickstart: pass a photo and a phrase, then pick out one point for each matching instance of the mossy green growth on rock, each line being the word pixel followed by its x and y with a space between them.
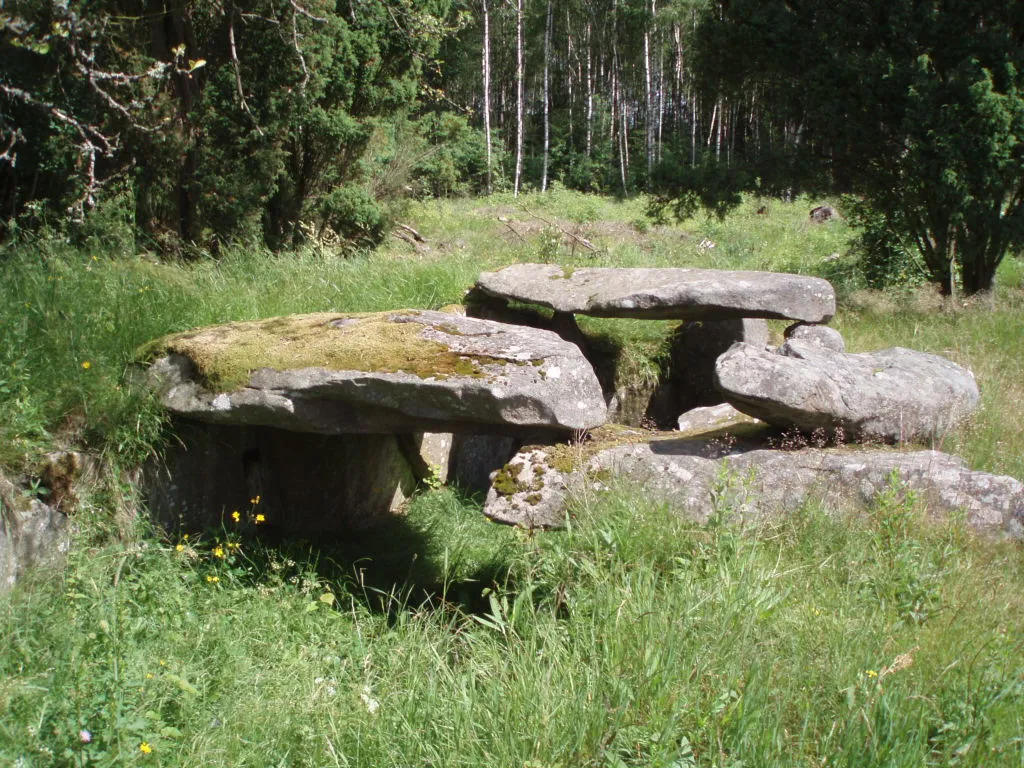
pixel 383 342
pixel 569 457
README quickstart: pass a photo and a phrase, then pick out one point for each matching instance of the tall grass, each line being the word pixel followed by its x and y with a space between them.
pixel 632 639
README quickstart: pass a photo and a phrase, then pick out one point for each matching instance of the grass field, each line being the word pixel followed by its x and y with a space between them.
pixel 632 639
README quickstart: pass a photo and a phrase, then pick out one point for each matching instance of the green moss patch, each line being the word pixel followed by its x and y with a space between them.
pixel 226 355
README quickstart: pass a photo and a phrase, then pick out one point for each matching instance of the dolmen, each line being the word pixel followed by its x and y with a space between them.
pixel 329 420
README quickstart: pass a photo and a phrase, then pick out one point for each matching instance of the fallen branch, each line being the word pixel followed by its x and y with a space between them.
pixel 581 240
pixel 415 235
pixel 511 229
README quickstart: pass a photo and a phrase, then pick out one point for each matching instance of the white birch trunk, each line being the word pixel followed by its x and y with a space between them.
pixel 590 93
pixel 487 93
pixel 547 99
pixel 519 98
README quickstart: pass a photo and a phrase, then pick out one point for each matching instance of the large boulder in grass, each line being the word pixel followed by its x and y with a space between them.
pixel 894 395
pixel 533 491
pixel 391 372
pixel 664 293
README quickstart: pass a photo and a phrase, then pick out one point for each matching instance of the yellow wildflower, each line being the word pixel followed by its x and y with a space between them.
pixel 180 548
pixel 236 516
pixel 144 748
pixel 218 552
pixel 149 675
pixel 212 579
pixel 86 365
pixel 255 500
pixel 261 518
pixel 871 673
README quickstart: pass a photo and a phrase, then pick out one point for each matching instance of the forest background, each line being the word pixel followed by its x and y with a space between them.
pixel 166 165
pixel 182 125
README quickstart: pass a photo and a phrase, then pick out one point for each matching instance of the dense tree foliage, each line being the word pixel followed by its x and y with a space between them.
pixel 289 120
pixel 217 120
pixel 917 106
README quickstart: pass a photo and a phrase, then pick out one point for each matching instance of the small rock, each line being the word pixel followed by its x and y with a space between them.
pixel 527 492
pixel 821 335
pixel 823 213
pixel 712 417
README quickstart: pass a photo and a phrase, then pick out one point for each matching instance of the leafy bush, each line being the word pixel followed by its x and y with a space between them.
pixel 354 214
pixel 883 259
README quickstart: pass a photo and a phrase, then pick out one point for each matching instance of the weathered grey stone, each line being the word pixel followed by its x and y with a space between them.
pixel 664 293
pixel 769 483
pixel 822 335
pixel 893 395
pixel 430 455
pixel 823 213
pixel 307 484
pixel 528 492
pixel 712 417
pixel 32 534
pixel 392 372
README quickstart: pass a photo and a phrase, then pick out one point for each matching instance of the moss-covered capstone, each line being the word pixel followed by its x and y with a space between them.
pixel 399 371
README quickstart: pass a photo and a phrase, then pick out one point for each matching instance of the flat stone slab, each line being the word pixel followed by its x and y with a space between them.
pixel 390 372
pixel 895 395
pixel 664 293
pixel 758 484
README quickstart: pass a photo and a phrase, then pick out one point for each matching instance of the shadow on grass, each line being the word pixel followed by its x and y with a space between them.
pixel 443 554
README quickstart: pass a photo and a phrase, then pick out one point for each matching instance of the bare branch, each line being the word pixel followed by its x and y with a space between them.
pixel 298 50
pixel 581 240
pixel 238 68
pixel 9 156
pixel 302 11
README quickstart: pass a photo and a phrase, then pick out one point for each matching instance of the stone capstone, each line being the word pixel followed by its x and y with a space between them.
pixel 760 484
pixel 894 395
pixel 664 293
pixel 391 372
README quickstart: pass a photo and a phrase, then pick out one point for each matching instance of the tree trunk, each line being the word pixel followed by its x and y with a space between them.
pixel 487 93
pixel 649 97
pixel 590 93
pixel 519 98
pixel 547 99
pixel 159 212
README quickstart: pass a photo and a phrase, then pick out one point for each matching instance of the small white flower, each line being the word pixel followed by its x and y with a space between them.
pixel 371 704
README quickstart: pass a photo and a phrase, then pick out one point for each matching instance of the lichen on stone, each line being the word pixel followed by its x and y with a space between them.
pixel 383 342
